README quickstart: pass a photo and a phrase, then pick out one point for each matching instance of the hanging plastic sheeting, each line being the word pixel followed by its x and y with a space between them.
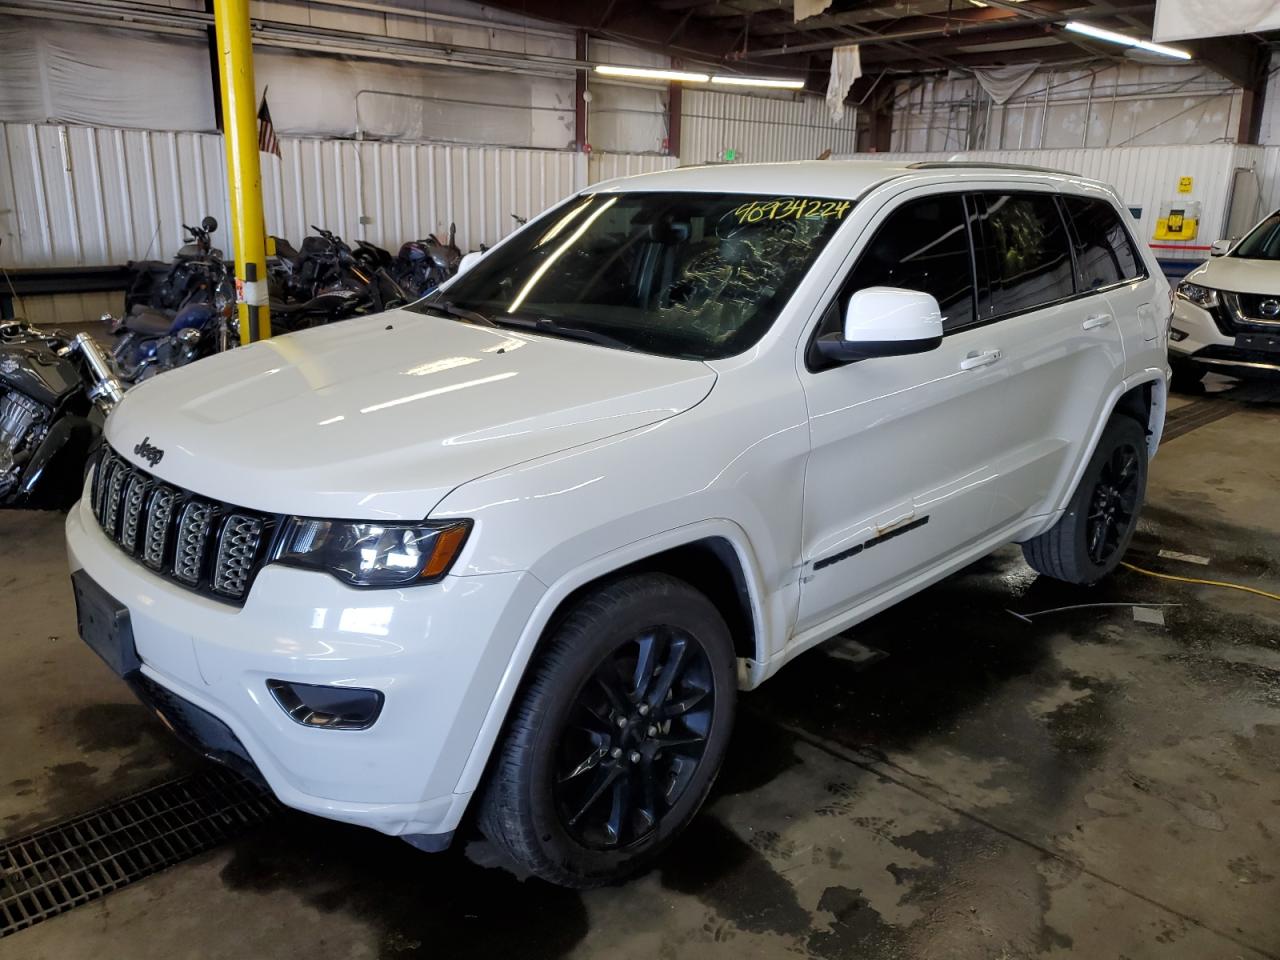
pixel 846 67
pixel 1001 83
pixel 110 78
pixel 809 8
pixel 329 96
pixel 1194 19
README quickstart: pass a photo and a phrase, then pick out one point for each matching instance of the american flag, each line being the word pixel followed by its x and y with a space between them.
pixel 268 142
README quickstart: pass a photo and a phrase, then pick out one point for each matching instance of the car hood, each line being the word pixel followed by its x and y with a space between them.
pixel 1239 275
pixel 380 417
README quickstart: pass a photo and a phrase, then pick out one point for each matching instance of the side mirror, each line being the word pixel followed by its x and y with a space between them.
pixel 1219 248
pixel 469 261
pixel 208 224
pixel 885 322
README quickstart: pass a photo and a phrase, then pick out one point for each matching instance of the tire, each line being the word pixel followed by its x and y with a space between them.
pixel 563 743
pixel 1187 375
pixel 1116 480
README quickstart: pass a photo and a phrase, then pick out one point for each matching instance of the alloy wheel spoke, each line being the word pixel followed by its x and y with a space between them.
pixel 592 759
pixel 646 665
pixel 617 699
pixel 677 654
pixel 621 808
pixel 678 708
pixel 605 778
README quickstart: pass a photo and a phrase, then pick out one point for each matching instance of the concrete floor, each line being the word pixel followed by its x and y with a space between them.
pixel 1081 784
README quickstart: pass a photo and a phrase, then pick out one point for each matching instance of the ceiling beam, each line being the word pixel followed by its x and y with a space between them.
pixel 643 25
pixel 1242 60
pixel 967 29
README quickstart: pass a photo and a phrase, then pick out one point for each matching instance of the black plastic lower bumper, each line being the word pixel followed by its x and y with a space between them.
pixel 197 728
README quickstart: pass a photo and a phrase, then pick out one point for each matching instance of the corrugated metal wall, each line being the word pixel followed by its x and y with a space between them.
pixel 80 196
pixel 76 196
pixel 1147 177
pixel 760 129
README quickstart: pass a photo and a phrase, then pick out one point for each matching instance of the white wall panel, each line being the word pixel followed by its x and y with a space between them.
pixel 760 128
pixel 607 166
pixel 80 196
pixel 1146 177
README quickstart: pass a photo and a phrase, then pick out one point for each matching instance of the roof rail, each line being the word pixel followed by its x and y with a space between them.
pixel 983 165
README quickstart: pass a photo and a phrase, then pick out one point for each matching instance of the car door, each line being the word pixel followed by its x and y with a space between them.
pixel 1063 350
pixel 904 450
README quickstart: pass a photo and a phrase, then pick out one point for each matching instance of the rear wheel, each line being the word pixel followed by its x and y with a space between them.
pixel 618 735
pixel 1090 539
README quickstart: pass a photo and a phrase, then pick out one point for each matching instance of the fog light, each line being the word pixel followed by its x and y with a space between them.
pixel 1176 335
pixel 334 708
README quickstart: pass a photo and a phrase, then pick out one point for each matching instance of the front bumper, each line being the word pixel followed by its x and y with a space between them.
pixel 438 652
pixel 1212 338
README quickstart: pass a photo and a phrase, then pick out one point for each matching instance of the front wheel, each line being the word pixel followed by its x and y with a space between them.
pixel 1090 539
pixel 617 736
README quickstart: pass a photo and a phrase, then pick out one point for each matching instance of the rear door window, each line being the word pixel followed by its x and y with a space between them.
pixel 1024 256
pixel 1104 250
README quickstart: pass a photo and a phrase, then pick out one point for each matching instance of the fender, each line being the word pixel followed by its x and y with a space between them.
pixel 50 480
pixel 1155 425
pixel 769 618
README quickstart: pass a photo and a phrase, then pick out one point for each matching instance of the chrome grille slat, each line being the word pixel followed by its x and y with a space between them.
pixel 156 533
pixel 237 550
pixel 135 492
pixel 193 535
pixel 116 476
pixel 199 543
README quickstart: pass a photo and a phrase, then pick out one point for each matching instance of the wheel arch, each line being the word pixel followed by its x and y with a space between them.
pixel 714 557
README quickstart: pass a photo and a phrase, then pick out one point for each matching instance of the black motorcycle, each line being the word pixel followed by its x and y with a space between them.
pixel 176 312
pixel 422 265
pixel 326 280
pixel 55 393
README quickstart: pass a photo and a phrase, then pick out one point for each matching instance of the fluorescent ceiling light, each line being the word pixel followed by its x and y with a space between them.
pixel 736 81
pixel 1075 26
pixel 643 73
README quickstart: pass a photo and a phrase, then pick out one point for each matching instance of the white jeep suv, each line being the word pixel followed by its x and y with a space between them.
pixel 516 547
pixel 1226 314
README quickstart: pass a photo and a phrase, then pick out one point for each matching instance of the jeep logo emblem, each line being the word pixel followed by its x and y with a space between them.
pixel 147 452
pixel 1269 308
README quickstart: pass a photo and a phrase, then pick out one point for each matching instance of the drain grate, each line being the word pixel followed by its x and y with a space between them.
pixel 60 867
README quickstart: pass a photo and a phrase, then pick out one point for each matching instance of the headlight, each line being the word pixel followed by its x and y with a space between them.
pixel 373 554
pixel 1200 296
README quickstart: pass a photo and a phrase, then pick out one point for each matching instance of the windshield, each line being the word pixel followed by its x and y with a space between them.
pixel 695 275
pixel 1263 241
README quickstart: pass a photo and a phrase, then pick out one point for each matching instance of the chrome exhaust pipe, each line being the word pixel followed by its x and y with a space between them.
pixel 107 390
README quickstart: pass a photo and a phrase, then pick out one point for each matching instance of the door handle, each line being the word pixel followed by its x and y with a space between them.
pixel 1097 321
pixel 982 359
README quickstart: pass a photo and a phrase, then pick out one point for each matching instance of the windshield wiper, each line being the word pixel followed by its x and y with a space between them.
pixel 461 313
pixel 555 328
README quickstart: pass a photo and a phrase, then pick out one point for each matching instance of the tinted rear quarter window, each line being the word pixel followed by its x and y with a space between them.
pixel 1024 253
pixel 1104 250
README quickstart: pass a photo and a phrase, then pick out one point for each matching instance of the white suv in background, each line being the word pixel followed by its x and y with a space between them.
pixel 516 547
pixel 1226 314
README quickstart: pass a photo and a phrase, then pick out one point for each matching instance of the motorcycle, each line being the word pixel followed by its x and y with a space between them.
pixel 176 312
pixel 327 281
pixel 55 392
pixel 422 265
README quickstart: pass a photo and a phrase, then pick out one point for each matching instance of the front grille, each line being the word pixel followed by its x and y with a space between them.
pixel 203 544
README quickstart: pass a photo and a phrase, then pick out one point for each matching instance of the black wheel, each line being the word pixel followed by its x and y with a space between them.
pixel 618 734
pixel 1091 537
pixel 1187 375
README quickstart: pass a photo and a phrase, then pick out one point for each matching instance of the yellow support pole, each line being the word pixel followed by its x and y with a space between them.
pixel 244 174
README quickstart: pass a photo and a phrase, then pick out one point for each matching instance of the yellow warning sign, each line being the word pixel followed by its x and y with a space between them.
pixel 1184 184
